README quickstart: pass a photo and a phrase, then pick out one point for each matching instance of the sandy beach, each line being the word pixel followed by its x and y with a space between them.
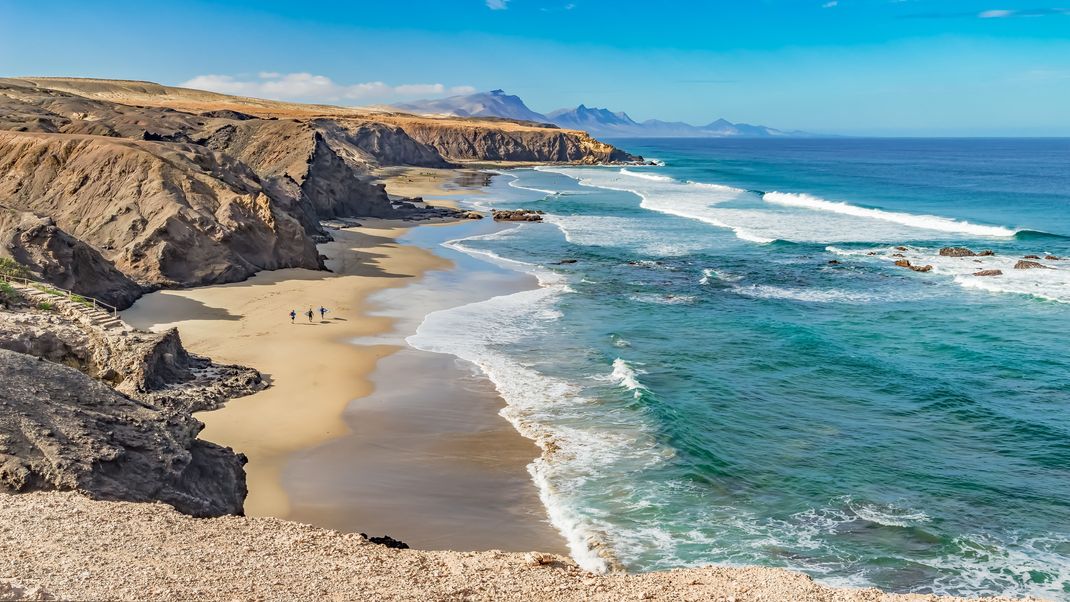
pixel 427 460
pixel 312 369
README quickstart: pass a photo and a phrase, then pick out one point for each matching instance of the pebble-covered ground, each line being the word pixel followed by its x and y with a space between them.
pixel 64 546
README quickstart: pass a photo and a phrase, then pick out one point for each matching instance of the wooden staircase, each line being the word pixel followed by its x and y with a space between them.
pixel 87 310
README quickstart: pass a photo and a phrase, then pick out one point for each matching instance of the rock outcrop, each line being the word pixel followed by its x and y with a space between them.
pixel 62 430
pixel 956 252
pixel 152 367
pixel 989 273
pixel 903 263
pixel 1030 265
pixel 517 215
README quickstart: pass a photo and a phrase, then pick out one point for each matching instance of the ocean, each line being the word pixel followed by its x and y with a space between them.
pixel 723 364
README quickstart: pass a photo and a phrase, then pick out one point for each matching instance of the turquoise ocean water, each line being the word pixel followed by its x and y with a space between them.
pixel 708 387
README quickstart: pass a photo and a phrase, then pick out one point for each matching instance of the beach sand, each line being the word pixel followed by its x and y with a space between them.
pixel 431 183
pixel 427 460
pixel 314 372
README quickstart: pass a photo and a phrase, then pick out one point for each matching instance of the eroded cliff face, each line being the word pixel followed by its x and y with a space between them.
pixel 163 214
pixel 460 141
pixel 63 430
pixel 135 186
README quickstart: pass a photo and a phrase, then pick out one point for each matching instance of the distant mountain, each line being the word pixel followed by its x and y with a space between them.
pixel 583 118
pixel 495 103
pixel 595 121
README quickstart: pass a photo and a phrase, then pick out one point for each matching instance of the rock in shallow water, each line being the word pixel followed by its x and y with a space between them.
pixel 1030 265
pixel 956 252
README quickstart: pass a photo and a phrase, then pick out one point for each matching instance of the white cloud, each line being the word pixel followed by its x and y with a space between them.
pixel 497 4
pixel 996 14
pixel 320 88
pixel 831 4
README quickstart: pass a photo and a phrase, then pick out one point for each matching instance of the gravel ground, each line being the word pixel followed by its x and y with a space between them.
pixel 72 548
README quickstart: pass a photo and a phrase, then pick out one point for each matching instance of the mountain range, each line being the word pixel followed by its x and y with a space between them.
pixel 595 121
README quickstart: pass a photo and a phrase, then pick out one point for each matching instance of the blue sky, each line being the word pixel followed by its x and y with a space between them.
pixel 881 67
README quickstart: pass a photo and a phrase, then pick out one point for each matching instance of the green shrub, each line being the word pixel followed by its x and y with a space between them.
pixel 44 288
pixel 8 295
pixel 45 306
pixel 10 267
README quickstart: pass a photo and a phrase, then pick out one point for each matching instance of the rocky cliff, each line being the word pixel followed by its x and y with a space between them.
pixel 462 141
pixel 113 188
pixel 61 429
pixel 109 413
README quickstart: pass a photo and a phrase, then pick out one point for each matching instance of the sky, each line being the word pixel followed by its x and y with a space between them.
pixel 854 67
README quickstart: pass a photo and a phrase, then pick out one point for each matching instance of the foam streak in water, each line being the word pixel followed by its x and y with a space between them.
pixel 925 222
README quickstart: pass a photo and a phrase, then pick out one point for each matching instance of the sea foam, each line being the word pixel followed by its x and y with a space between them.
pixel 925 222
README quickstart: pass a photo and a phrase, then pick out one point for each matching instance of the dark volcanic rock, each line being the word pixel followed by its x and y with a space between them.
pixel 386 541
pixel 956 252
pixel 60 429
pixel 986 253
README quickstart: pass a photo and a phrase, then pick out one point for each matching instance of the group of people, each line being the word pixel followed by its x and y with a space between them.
pixel 309 314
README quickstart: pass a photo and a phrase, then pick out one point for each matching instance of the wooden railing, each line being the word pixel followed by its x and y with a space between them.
pixel 46 288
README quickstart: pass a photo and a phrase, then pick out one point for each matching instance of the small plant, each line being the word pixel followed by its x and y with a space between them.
pixel 46 306
pixel 81 299
pixel 44 288
pixel 10 267
pixel 8 295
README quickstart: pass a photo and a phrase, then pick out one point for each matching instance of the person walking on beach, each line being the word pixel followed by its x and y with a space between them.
pixel 323 312
pixel 309 314
pixel 293 315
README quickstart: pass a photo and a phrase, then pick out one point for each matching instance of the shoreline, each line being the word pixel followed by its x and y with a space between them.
pixel 314 372
pixel 309 437
pixel 302 561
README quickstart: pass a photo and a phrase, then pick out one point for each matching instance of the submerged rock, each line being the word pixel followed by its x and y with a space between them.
pixel 1032 256
pixel 472 215
pixel 989 273
pixel 986 253
pixel 1053 257
pixel 956 252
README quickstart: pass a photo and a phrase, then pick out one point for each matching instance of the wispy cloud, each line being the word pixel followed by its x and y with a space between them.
pixel 994 13
pixel 319 88
pixel 831 4
pixel 497 4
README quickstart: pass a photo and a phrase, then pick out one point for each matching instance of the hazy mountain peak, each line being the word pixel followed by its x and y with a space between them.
pixel 596 121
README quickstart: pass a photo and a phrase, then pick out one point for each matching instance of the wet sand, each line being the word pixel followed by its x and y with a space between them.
pixel 430 462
